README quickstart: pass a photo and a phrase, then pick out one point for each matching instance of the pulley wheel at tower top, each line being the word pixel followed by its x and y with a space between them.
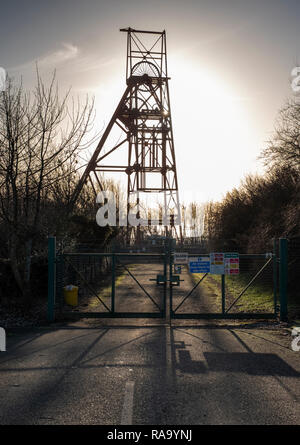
pixel 142 68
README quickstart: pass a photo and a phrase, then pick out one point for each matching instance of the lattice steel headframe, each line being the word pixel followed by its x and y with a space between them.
pixel 144 116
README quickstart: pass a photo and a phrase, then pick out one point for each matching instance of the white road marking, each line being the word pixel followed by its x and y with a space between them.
pixel 128 404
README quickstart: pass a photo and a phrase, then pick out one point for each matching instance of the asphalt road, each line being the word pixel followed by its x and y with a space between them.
pixel 90 374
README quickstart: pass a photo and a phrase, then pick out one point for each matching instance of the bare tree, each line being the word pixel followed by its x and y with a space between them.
pixel 284 147
pixel 40 136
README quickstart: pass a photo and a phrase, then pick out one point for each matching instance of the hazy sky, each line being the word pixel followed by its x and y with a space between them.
pixel 229 63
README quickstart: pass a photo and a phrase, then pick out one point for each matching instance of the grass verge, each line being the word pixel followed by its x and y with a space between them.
pixel 257 298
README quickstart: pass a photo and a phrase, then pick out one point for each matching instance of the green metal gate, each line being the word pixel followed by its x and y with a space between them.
pixel 146 285
pixel 250 294
pixel 124 285
pixel 259 291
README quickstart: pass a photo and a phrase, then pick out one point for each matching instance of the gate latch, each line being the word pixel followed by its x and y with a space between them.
pixel 175 280
pixel 160 279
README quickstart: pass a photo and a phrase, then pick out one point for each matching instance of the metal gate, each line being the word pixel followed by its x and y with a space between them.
pixel 125 285
pixel 147 285
pixel 250 294
pixel 258 291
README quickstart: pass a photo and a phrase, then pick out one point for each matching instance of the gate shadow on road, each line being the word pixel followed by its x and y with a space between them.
pixel 180 356
pixel 165 353
pixel 252 363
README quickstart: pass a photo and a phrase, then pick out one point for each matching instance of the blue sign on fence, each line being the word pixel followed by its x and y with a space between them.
pixel 199 264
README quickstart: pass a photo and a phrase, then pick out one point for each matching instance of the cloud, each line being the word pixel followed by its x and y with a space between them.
pixel 52 59
pixel 89 63
pixel 67 52
pixel 75 66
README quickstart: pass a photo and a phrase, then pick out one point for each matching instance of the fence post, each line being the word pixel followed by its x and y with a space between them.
pixel 164 251
pixel 275 274
pixel 51 277
pixel 171 259
pixel 169 251
pixel 223 294
pixel 113 282
pixel 283 270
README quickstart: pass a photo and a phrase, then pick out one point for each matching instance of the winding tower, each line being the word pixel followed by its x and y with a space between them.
pixel 144 117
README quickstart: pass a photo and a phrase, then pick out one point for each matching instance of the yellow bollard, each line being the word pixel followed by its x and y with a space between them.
pixel 71 295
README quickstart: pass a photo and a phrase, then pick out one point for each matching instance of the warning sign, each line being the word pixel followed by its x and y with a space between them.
pixel 199 264
pixel 224 263
pixel 181 258
pixel 177 268
pixel 232 263
pixel 217 265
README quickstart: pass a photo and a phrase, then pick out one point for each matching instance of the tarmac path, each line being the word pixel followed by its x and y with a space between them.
pixel 87 373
